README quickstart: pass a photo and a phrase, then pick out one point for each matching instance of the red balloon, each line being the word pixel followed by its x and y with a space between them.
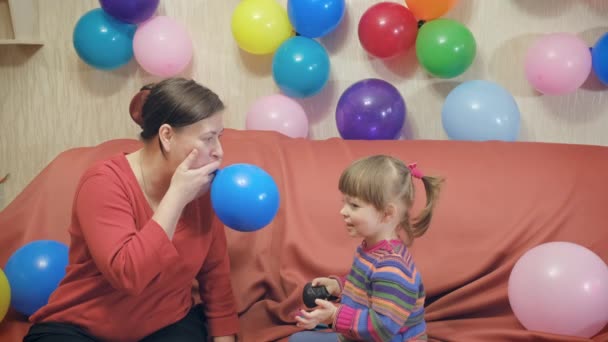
pixel 387 29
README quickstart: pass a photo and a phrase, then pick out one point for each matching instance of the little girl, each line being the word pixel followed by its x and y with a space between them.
pixel 382 298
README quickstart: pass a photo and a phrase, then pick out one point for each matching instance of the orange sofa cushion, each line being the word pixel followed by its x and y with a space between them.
pixel 500 199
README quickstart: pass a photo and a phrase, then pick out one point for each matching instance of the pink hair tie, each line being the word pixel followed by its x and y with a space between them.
pixel 414 170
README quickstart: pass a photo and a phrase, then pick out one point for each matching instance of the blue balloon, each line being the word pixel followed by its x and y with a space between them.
pixel 315 18
pixel 599 55
pixel 479 111
pixel 300 67
pixel 102 41
pixel 244 197
pixel 34 272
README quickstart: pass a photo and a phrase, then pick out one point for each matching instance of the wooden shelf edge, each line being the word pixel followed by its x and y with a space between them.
pixel 21 42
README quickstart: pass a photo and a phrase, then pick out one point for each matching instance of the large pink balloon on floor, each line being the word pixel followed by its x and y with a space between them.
pixel 558 63
pixel 162 46
pixel 560 288
pixel 278 113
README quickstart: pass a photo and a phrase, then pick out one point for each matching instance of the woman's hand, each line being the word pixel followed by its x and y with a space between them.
pixel 332 285
pixel 230 338
pixel 190 183
pixel 323 314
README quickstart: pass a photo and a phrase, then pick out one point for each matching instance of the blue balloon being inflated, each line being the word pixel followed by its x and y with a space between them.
pixel 244 197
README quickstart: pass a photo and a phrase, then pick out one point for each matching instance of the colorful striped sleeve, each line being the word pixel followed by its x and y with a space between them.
pixel 394 296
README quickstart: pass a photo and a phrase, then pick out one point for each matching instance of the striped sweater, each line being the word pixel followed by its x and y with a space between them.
pixel 382 297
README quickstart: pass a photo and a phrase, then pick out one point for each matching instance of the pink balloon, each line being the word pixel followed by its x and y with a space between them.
pixel 558 63
pixel 560 288
pixel 278 113
pixel 162 46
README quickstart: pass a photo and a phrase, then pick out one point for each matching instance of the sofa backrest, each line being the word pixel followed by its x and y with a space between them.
pixel 499 200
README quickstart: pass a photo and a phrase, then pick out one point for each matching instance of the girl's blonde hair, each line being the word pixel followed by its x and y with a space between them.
pixel 380 179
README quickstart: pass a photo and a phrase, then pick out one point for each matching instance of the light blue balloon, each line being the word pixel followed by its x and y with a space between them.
pixel 34 271
pixel 300 67
pixel 244 197
pixel 102 41
pixel 479 111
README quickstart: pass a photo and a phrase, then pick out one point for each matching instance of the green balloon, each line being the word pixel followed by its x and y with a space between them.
pixel 445 48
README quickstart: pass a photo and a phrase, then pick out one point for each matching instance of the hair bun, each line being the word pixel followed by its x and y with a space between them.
pixel 136 106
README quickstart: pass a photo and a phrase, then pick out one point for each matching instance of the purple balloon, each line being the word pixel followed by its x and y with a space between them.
pixel 371 109
pixel 130 11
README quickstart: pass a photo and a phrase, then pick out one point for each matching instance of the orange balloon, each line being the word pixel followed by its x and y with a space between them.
pixel 429 9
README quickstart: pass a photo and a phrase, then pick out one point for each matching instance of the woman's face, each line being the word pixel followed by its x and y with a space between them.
pixel 203 136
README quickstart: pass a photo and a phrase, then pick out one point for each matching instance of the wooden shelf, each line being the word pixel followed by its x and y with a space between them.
pixel 21 42
pixel 25 22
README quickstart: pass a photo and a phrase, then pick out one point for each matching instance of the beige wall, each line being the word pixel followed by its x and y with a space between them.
pixel 51 101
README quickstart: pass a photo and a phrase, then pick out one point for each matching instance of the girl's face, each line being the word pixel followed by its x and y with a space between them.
pixel 365 221
pixel 360 217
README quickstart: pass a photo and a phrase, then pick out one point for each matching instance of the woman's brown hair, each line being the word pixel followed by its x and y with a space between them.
pixel 176 101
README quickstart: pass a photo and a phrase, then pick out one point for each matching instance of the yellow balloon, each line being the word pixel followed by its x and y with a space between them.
pixel 5 295
pixel 260 26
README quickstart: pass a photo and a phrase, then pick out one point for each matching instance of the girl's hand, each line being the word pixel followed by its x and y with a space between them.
pixel 323 314
pixel 332 285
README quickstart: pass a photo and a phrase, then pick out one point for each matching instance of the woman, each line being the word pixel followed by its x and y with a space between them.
pixel 142 230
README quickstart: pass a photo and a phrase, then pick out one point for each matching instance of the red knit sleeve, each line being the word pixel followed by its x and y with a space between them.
pixel 129 259
pixel 215 286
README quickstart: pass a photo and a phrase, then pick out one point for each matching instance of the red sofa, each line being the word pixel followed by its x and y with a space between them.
pixel 500 200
